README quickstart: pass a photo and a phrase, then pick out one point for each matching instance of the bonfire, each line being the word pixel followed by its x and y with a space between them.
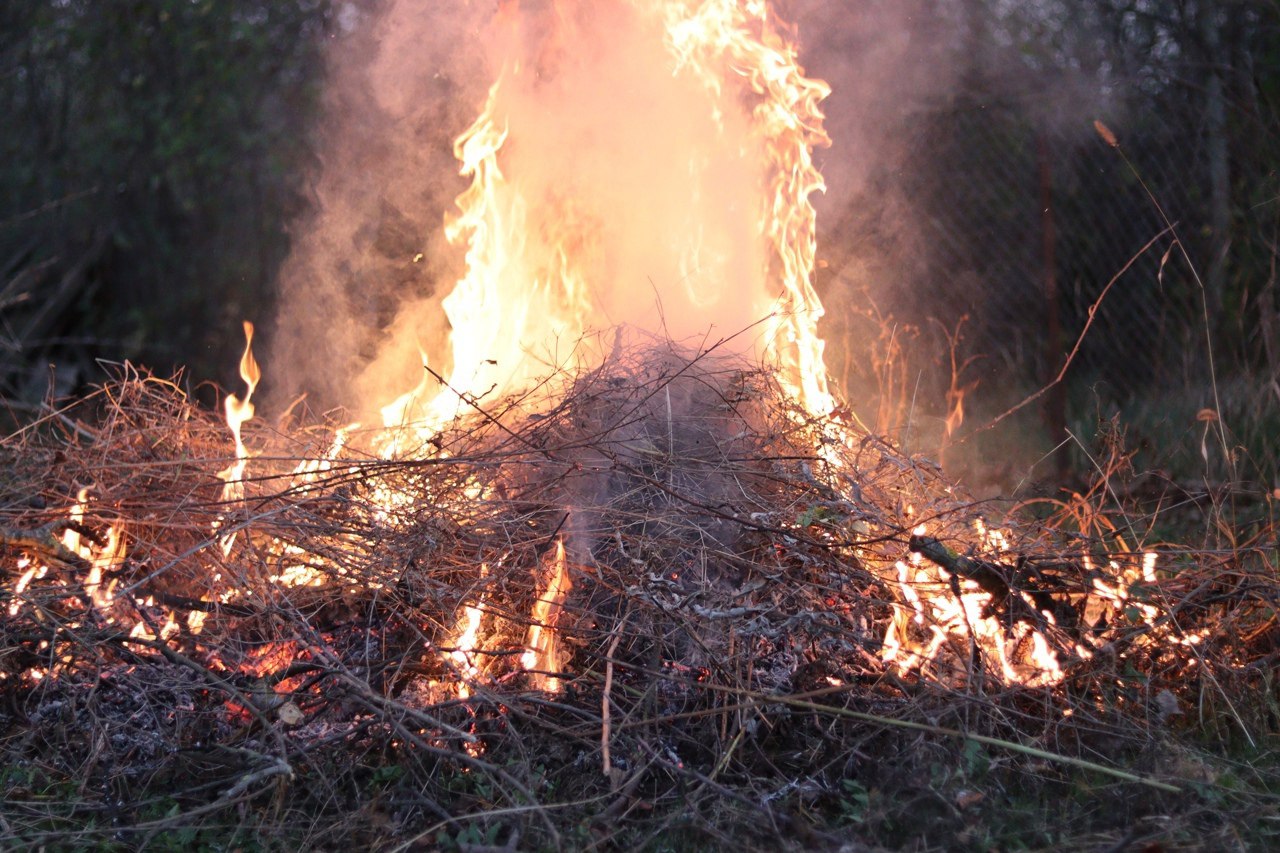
pixel 648 588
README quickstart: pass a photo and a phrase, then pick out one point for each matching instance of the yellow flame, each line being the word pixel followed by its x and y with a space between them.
pixel 100 559
pixel 542 647
pixel 570 196
pixel 720 37
pixel 953 608
pixel 21 586
pixel 462 656
pixel 578 216
pixel 957 609
pixel 239 411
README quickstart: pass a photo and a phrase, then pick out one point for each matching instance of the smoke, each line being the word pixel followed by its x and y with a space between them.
pixel 647 168
pixel 605 141
pixel 887 62
pixel 939 115
pixel 404 78
pixel 891 64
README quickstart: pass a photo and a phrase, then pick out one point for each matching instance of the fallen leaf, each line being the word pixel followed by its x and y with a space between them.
pixel 1167 705
pixel 290 714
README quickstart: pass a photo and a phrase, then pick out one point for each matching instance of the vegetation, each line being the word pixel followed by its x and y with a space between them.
pixel 721 678
pixel 152 159
pixel 154 155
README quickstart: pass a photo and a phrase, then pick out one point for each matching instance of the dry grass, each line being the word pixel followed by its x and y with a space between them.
pixel 733 569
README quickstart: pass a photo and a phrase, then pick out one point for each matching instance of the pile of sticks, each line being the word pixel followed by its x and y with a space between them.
pixel 732 564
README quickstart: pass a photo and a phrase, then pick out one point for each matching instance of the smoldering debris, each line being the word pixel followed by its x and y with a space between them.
pixel 735 571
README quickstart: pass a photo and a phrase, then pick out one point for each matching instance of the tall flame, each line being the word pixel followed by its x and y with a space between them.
pixel 542 648
pixel 638 162
pixel 718 37
pixel 646 162
pixel 238 411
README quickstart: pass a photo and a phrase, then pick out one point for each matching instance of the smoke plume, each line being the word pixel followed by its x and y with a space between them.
pixel 638 162
pixel 369 258
pixel 604 138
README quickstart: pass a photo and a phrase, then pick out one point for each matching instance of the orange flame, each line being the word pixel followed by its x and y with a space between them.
pixel 542 654
pixel 578 216
pixel 238 411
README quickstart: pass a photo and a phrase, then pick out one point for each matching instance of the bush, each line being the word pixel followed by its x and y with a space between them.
pixel 157 145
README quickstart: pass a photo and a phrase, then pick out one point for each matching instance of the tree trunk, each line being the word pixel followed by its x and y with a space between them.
pixel 1219 164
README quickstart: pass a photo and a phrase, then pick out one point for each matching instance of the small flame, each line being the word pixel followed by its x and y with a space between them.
pixel 464 646
pixel 21 586
pixel 99 559
pixel 542 645
pixel 1030 651
pixel 951 608
pixel 239 411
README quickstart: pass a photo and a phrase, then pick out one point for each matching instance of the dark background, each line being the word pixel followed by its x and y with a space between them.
pixel 155 154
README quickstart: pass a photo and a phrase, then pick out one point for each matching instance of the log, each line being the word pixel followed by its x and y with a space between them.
pixel 1001 582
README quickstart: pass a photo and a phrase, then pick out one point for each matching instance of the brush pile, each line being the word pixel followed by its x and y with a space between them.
pixel 650 603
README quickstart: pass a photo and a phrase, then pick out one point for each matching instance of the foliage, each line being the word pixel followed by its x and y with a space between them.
pixel 173 130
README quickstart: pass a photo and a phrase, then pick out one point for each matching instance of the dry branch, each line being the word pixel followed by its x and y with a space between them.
pixel 735 565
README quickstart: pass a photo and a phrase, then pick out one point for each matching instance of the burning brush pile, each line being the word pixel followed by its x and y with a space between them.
pixel 650 597
pixel 637 595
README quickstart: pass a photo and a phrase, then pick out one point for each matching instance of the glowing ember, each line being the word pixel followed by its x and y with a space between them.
pixel 268 657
